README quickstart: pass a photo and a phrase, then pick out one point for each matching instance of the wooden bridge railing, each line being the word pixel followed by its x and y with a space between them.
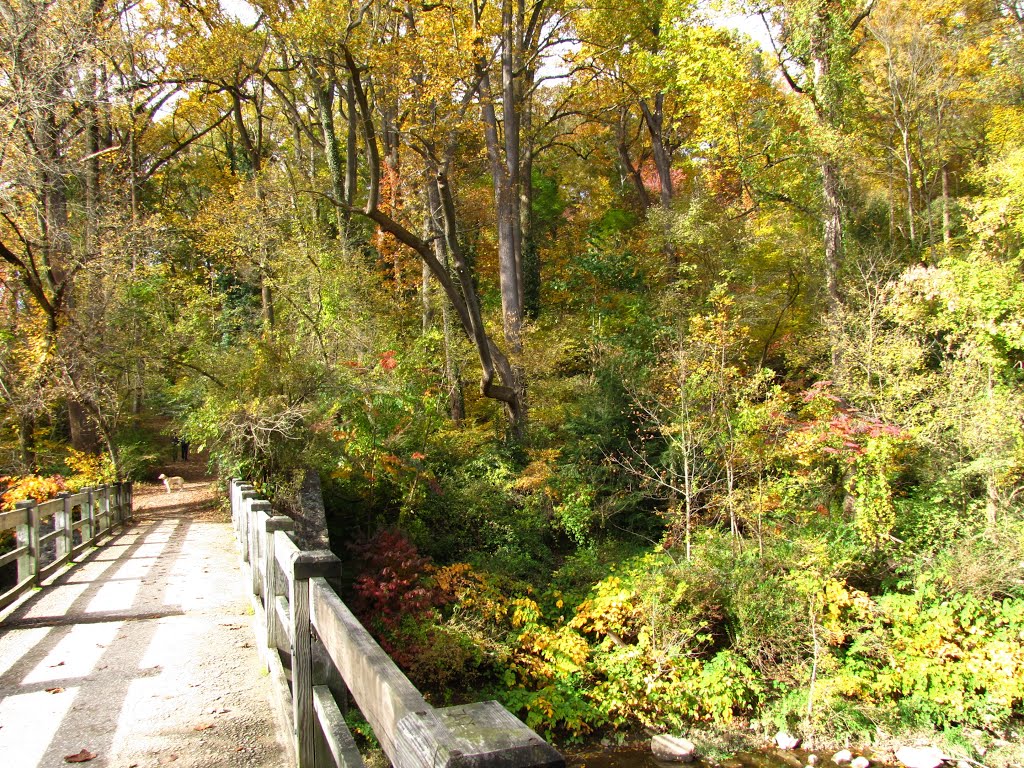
pixel 51 533
pixel 311 632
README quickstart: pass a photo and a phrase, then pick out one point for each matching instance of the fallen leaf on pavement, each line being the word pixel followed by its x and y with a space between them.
pixel 202 727
pixel 55 690
pixel 82 757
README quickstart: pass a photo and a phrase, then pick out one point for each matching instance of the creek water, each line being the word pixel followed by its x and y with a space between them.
pixel 641 757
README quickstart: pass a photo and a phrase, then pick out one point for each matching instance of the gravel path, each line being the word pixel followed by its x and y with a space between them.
pixel 143 654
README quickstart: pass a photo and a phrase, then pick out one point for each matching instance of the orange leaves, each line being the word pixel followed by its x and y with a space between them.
pixel 30 488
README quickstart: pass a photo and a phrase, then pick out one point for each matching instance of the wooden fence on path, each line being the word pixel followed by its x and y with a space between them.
pixel 49 534
pixel 317 646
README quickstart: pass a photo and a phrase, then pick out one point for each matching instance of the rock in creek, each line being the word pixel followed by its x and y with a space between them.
pixel 673 749
pixel 842 757
pixel 920 757
pixel 860 762
pixel 784 741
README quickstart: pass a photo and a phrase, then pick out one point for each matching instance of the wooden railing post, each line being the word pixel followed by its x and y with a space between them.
pixel 62 523
pixel 246 496
pixel 107 521
pixel 274 583
pixel 27 534
pixel 88 530
pixel 233 484
pixel 258 534
pixel 306 565
pixel 124 495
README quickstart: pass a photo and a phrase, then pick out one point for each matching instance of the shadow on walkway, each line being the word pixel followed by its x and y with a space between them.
pixel 141 654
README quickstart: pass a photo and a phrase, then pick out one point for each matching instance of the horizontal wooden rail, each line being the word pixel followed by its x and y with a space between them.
pixel 45 533
pixel 311 631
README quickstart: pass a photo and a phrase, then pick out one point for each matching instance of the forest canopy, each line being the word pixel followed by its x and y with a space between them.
pixel 653 375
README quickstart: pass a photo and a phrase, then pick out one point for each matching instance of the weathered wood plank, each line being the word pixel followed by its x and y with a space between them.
pixel 13 555
pixel 261 514
pixel 88 514
pixel 49 508
pixel 62 522
pixel 13 519
pixel 383 694
pixel 412 734
pixel 485 733
pixel 304 566
pixel 275 584
pixel 285 551
pixel 45 537
pixel 341 749
pixel 28 536
pixel 54 566
pixel 14 593
pixel 284 617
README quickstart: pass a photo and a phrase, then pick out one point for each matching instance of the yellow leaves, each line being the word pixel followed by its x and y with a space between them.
pixel 526 611
pixel 89 469
pixel 545 653
pixel 538 471
pixel 610 610
pixel 228 52
pixel 842 607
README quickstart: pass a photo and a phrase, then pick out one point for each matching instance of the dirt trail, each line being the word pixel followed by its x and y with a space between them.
pixel 142 654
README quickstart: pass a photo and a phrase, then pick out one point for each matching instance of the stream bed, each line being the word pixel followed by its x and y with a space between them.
pixel 639 756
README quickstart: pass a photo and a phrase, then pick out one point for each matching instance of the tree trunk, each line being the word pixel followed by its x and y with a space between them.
pixel 655 120
pixel 908 166
pixel 27 441
pixel 991 499
pixel 947 230
pixel 425 301
pixel 351 145
pixel 452 375
pixel 833 231
pixel 628 168
pixel 325 104
pixel 83 433
pixel 530 256
pixel 507 210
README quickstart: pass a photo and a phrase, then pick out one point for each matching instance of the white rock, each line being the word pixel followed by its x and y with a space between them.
pixel 963 764
pixel 812 759
pixel 784 741
pixel 920 757
pixel 860 762
pixel 842 757
pixel 673 749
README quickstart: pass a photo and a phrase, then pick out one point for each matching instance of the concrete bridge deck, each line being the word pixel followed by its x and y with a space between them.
pixel 143 653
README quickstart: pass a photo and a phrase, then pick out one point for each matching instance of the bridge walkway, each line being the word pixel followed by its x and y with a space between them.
pixel 143 653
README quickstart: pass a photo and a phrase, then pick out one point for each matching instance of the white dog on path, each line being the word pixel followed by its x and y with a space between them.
pixel 176 483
